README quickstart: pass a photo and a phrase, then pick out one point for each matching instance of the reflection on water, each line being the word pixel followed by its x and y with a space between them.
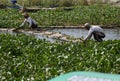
pixel 111 34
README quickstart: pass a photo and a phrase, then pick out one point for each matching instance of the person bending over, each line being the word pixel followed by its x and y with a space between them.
pixel 94 30
pixel 31 22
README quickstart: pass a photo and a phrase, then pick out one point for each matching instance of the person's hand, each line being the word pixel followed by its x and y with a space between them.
pixel 81 39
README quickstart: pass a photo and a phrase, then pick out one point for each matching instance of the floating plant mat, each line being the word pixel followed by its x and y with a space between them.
pixel 87 76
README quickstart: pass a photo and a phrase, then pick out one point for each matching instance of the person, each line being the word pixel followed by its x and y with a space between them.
pixel 15 5
pixel 94 30
pixel 31 22
pixel 14 2
pixel 22 10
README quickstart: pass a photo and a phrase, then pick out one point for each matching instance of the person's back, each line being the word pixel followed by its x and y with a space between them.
pixel 96 28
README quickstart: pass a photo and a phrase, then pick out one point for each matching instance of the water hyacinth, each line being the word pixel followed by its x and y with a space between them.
pixel 95 14
pixel 28 58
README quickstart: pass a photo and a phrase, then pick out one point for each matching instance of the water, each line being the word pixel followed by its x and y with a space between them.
pixel 111 34
pixel 45 38
pixel 29 33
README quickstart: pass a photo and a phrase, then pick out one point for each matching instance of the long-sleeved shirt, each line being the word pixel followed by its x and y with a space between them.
pixel 93 29
pixel 30 21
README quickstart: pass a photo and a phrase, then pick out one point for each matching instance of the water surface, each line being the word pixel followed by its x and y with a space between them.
pixel 111 34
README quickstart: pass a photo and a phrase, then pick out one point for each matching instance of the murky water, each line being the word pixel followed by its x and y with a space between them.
pixel 38 36
pixel 111 34
pixel 46 38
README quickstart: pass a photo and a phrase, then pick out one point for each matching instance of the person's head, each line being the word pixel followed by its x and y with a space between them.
pixel 22 9
pixel 87 26
pixel 26 15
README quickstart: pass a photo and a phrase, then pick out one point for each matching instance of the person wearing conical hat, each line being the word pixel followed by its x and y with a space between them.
pixel 94 30
pixel 31 22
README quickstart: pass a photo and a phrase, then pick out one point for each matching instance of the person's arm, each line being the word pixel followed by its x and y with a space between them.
pixel 88 36
pixel 23 23
pixel 30 22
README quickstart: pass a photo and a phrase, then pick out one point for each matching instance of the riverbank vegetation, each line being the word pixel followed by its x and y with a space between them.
pixel 53 3
pixel 27 58
pixel 95 14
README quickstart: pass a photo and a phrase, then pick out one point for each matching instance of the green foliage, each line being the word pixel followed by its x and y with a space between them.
pixel 43 3
pixel 96 14
pixel 66 3
pixel 4 1
pixel 10 18
pixel 28 58
pixel 103 15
